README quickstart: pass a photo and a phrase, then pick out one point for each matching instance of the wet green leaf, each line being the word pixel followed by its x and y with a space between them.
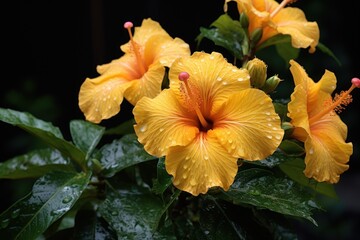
pixel 133 212
pixel 163 180
pixel 263 189
pixel 86 135
pixel 227 33
pixel 294 168
pixel 89 226
pixel 277 39
pixel 52 196
pixel 43 130
pixel 271 161
pixel 122 153
pixel 34 164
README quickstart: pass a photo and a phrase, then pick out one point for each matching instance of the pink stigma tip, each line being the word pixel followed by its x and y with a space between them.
pixel 183 76
pixel 128 25
pixel 356 82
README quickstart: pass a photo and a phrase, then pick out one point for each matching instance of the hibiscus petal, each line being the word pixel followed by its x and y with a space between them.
pixel 200 165
pixel 248 126
pixel 165 50
pixel 149 85
pixel 163 122
pixel 326 152
pixel 303 34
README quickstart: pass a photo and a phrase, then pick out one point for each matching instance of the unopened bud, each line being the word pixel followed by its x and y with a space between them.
pixel 271 84
pixel 288 129
pixel 257 70
pixel 244 20
pixel 255 36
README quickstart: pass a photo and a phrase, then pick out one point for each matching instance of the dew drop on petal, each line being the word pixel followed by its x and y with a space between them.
pixel 143 128
pixel 311 151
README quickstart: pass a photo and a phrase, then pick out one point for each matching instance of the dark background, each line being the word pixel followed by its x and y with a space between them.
pixel 49 47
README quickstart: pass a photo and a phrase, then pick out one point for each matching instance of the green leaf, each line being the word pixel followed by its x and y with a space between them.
pixel 52 196
pixel 292 147
pixel 122 153
pixel 86 135
pixel 124 128
pixel 277 39
pixel 43 130
pixel 294 168
pixel 215 222
pixel 133 212
pixel 89 226
pixel 287 51
pixel 327 51
pixel 262 189
pixel 163 180
pixel 34 164
pixel 271 161
pixel 227 33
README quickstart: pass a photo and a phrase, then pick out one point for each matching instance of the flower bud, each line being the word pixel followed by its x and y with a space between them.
pixel 257 70
pixel 271 84
pixel 244 20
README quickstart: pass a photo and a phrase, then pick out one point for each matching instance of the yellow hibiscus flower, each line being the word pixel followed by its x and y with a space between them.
pixel 312 113
pixel 208 118
pixel 139 72
pixel 273 18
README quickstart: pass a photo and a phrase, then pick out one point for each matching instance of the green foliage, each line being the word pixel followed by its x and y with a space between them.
pixel 100 200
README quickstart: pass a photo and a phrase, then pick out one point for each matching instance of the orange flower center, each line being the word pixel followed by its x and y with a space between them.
pixel 339 102
pixel 193 100
pixel 135 47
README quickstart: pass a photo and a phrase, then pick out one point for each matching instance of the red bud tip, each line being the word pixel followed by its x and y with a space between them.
pixel 183 76
pixel 356 82
pixel 128 25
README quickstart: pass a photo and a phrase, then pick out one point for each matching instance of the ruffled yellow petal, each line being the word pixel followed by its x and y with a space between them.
pixel 303 34
pixel 163 122
pixel 248 126
pixel 326 150
pixel 211 76
pixel 165 50
pixel 149 85
pixel 200 165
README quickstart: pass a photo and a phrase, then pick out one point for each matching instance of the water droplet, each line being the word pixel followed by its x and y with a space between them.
pixel 206 232
pixel 143 128
pixel 15 213
pixel 269 124
pixel 234 70
pixel 230 141
pixel 114 213
pixel 278 137
pixel 184 176
pixel 254 192
pixel 224 83
pixel 161 129
pixel 4 223
pixel 206 157
pixel 269 136
pixel 185 166
pixel 192 182
pixel 267 113
pixel 311 151
pixel 240 79
pixel 187 158
pixel 219 79
pixel 67 199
